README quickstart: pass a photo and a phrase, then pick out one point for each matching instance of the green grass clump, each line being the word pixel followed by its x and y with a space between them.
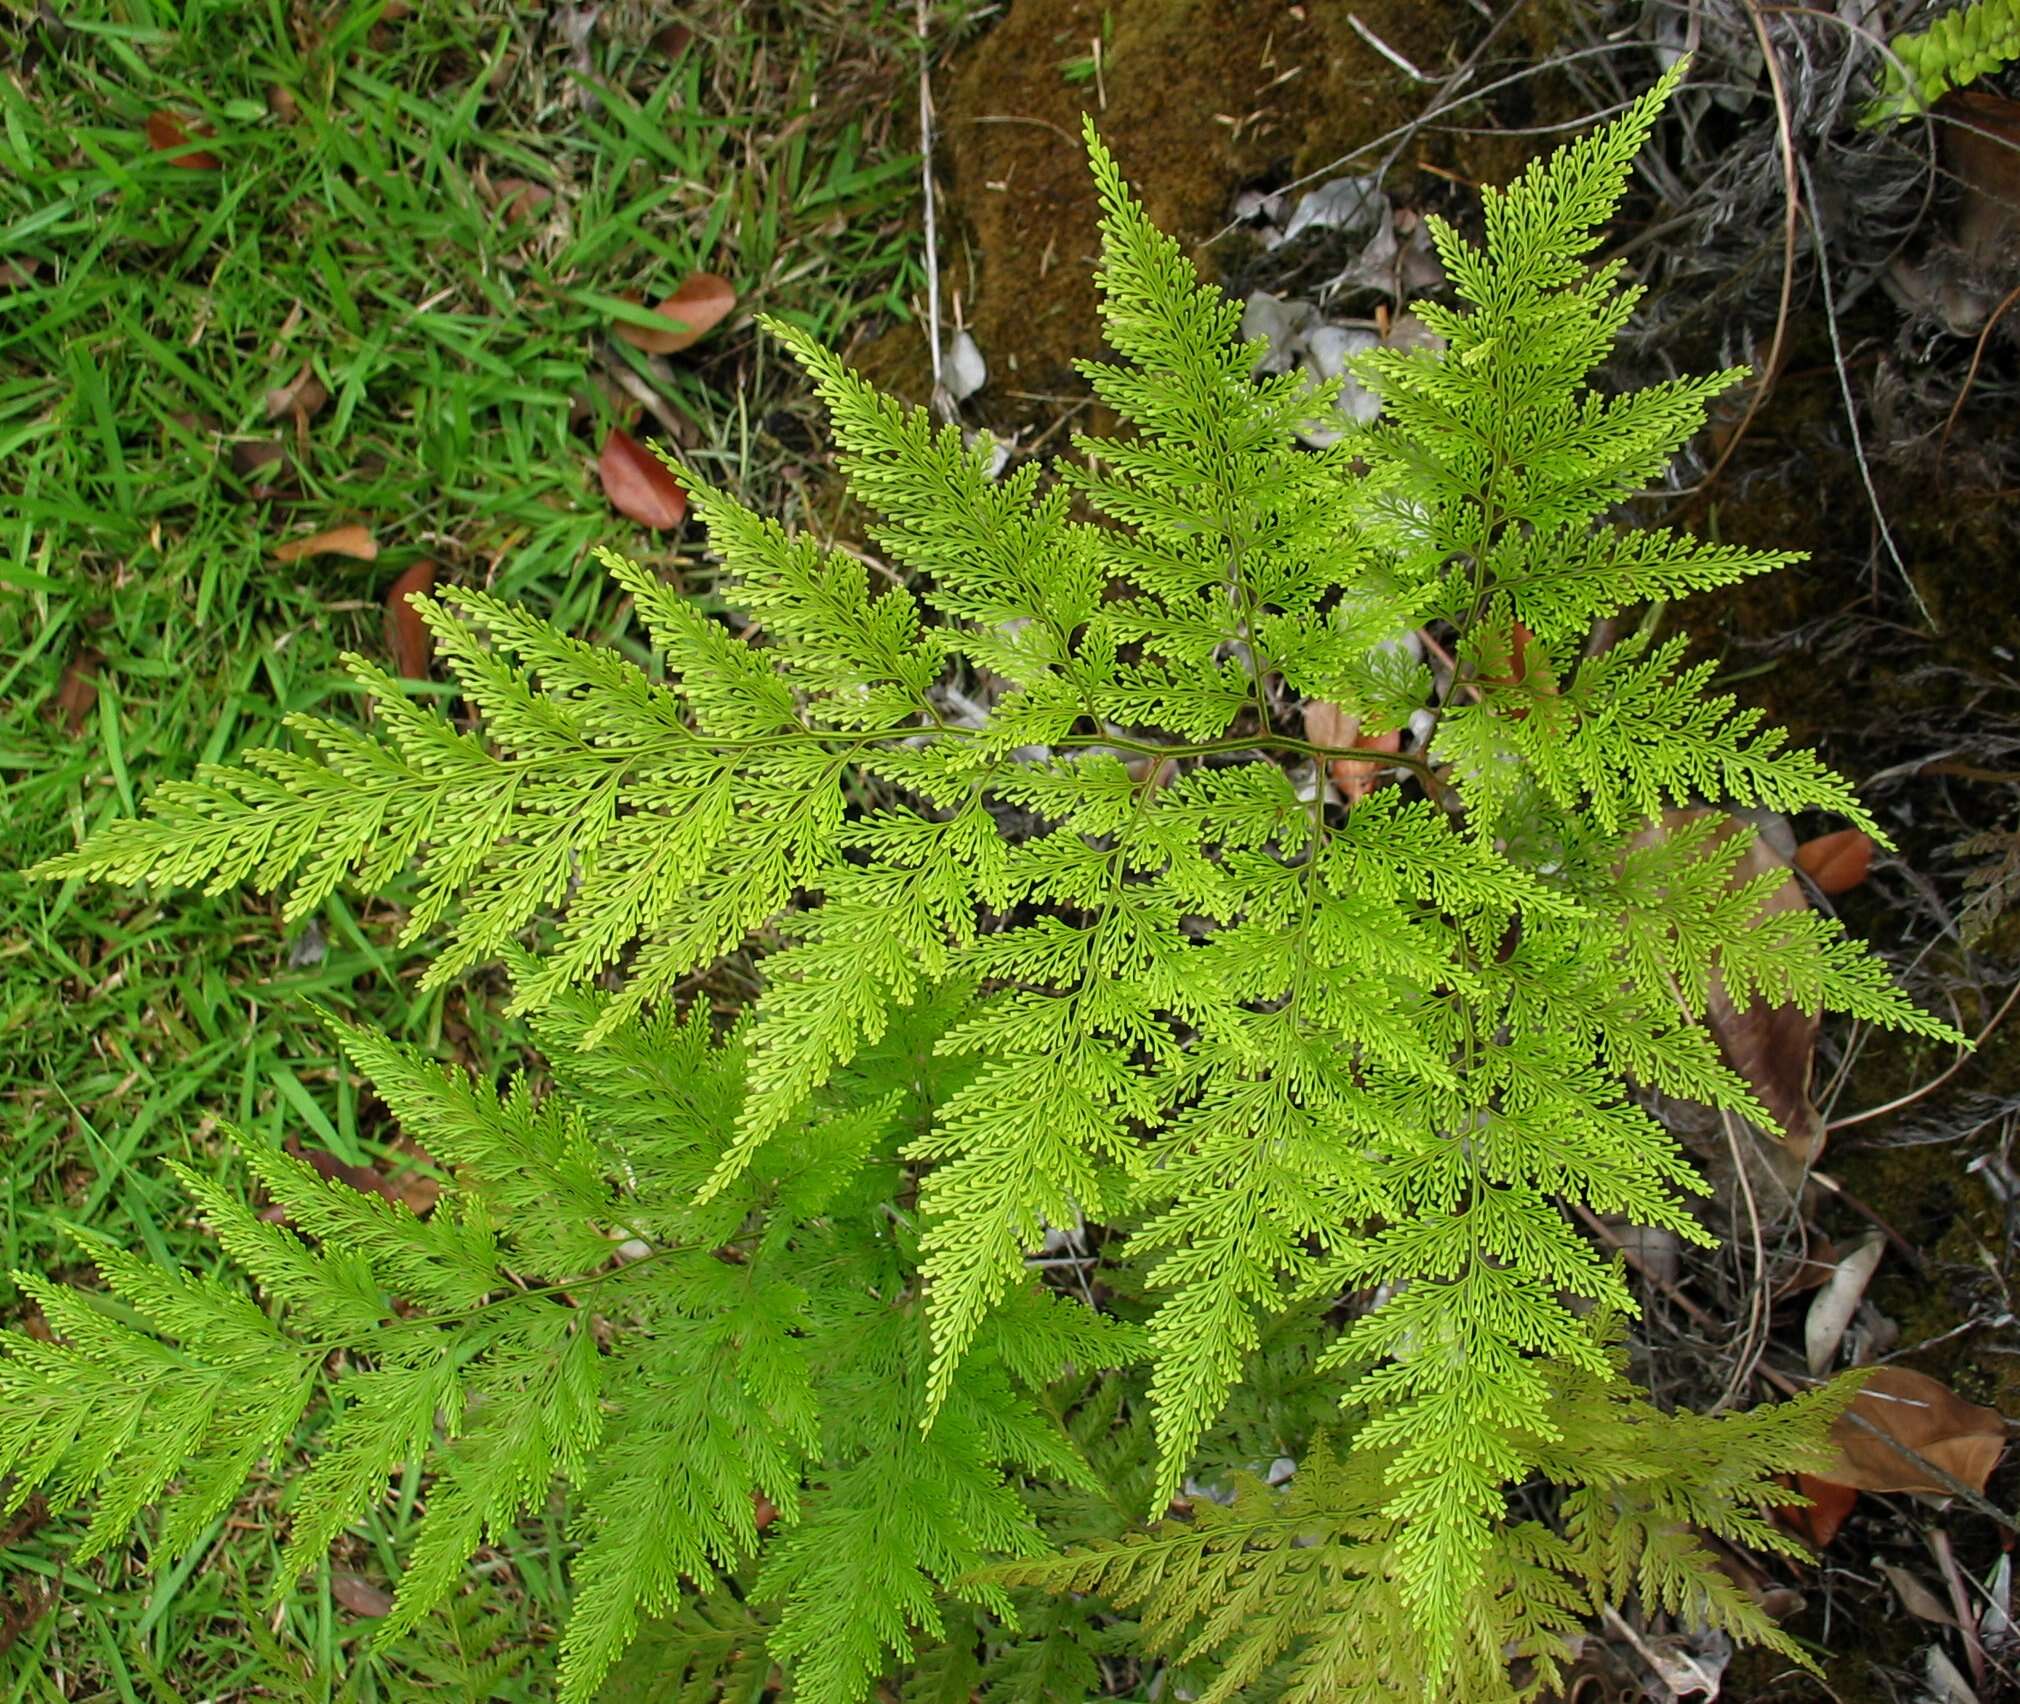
pixel 367 225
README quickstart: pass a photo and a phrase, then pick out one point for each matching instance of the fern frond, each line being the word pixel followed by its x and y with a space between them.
pixel 1958 48
pixel 1080 921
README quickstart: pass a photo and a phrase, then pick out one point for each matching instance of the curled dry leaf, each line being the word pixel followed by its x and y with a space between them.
pixel 1982 153
pixel 1513 668
pixel 302 396
pixel 414 1190
pixel 357 1594
pixel 639 485
pixel 1831 1310
pixel 1837 863
pixel 1809 1270
pixel 1772 1047
pixel 965 372
pixel 170 135
pixel 1919 1413
pixel 77 693
pixel 1817 1522
pixel 407 635
pixel 1355 777
pixel 282 103
pixel 249 456
pixel 1916 1598
pixel 518 199
pixel 354 541
pixel 694 310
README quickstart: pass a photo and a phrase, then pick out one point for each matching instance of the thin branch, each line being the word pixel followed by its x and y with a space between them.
pixel 1934 1083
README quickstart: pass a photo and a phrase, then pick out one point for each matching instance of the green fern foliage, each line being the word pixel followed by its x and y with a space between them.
pixel 1094 1029
pixel 1959 47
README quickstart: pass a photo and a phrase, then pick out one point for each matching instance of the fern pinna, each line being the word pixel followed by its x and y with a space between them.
pixel 1065 929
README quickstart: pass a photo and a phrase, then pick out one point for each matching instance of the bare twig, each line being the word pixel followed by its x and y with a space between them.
pixel 943 402
pixel 1934 1083
pixel 1387 52
pixel 1851 408
pixel 1792 211
pixel 1977 358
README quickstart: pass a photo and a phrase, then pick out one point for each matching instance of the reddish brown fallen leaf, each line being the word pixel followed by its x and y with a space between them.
pixel 302 396
pixel 1926 1416
pixel 248 456
pixel 1817 1523
pixel 354 541
pixel 1837 863
pixel 1514 667
pixel 282 103
pixel 1772 1047
pixel 168 134
pixel 763 1510
pixel 1815 1267
pixel 407 635
pixel 21 1609
pixel 357 1594
pixel 1982 155
pixel 1916 1598
pixel 1357 777
pixel 30 1518
pixel 417 1191
pixel 639 485
pixel 366 1180
pixel 1354 777
pixel 414 1190
pixel 77 694
pixel 697 307
pixel 16 273
pixel 520 198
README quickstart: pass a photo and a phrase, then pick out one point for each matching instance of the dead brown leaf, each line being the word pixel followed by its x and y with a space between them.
pixel 407 635
pixel 518 199
pixel 1817 1522
pixel 1916 1598
pixel 282 103
pixel 1772 1047
pixel 302 396
pixel 1923 1415
pixel 414 1190
pixel 168 134
pixel 19 271
pixel 639 485
pixel 20 1610
pixel 249 456
pixel 25 1521
pixel 695 309
pixel 353 541
pixel 1354 777
pixel 77 693
pixel 1838 862
pixel 357 1594
pixel 1981 146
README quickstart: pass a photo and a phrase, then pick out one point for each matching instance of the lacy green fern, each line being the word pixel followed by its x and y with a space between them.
pixel 1956 49
pixel 1065 936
